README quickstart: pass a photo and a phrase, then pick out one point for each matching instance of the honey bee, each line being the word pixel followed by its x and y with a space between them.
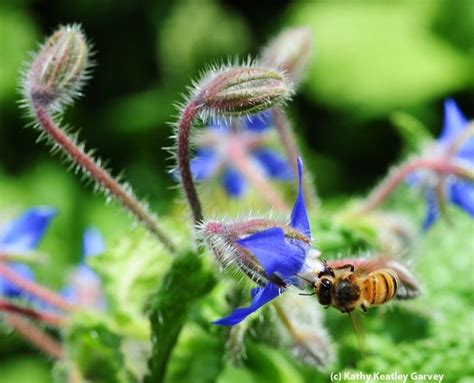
pixel 360 284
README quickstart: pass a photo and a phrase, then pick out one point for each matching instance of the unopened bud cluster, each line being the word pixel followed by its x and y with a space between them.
pixel 58 70
pixel 242 90
pixel 290 51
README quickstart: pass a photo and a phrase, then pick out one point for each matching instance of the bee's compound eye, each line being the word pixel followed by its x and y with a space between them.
pixel 324 291
pixel 326 283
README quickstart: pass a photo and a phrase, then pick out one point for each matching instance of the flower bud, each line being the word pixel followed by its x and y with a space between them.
pixel 58 70
pixel 237 91
pixel 290 51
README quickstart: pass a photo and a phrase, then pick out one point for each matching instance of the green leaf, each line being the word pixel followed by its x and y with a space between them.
pixel 271 365
pixel 185 366
pixel 186 282
pixel 375 56
pixel 96 351
pixel 131 271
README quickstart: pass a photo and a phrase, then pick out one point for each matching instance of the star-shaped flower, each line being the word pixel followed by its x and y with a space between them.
pixel 224 144
pixel 283 252
pixel 22 235
pixel 456 190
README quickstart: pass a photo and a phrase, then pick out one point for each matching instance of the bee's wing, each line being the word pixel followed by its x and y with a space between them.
pixel 409 286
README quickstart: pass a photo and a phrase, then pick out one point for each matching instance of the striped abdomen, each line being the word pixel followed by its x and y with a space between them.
pixel 379 287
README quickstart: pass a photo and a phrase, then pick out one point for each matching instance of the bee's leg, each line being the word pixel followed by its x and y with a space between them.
pixel 363 307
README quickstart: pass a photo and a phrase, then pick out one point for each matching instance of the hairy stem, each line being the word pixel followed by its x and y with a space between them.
pixel 288 140
pixel 182 141
pixel 34 289
pixel 101 176
pixel 36 336
pixel 388 185
pixel 44 317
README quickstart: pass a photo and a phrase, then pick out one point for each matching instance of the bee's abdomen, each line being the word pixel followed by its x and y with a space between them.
pixel 380 287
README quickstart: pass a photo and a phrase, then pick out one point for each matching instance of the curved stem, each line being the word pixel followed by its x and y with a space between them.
pixel 34 289
pixel 101 176
pixel 288 140
pixel 388 185
pixel 36 336
pixel 182 141
pixel 44 317
pixel 265 189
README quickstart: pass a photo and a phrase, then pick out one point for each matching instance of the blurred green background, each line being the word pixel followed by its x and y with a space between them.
pixel 371 59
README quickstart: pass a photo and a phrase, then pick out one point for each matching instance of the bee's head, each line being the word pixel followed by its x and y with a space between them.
pixel 323 289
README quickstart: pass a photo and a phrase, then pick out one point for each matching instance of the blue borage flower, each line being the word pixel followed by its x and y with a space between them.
pixel 219 145
pixel 459 192
pixel 281 251
pixel 23 235
pixel 85 287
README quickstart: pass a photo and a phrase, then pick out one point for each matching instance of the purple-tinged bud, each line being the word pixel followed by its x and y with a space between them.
pixel 242 90
pixel 290 51
pixel 58 70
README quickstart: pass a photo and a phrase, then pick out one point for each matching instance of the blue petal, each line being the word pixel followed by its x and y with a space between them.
pixel 259 122
pixel 275 253
pixel 275 165
pixel 454 121
pixel 234 183
pixel 462 195
pixel 433 211
pixel 204 164
pixel 260 296
pixel 10 290
pixel 26 231
pixel 92 242
pixel 299 216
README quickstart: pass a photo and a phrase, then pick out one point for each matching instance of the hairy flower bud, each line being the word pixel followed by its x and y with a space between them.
pixel 290 51
pixel 236 91
pixel 58 70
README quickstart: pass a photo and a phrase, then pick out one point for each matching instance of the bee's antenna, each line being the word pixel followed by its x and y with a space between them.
pixel 304 279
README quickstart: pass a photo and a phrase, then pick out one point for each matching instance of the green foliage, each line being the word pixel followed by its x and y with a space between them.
pixel 21 37
pixel 377 66
pixel 24 368
pixel 206 24
pixel 408 63
pixel 131 270
pixel 186 282
pixel 96 351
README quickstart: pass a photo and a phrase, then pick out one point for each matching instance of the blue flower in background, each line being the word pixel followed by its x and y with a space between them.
pixel 221 145
pixel 85 287
pixel 281 253
pixel 22 235
pixel 458 191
